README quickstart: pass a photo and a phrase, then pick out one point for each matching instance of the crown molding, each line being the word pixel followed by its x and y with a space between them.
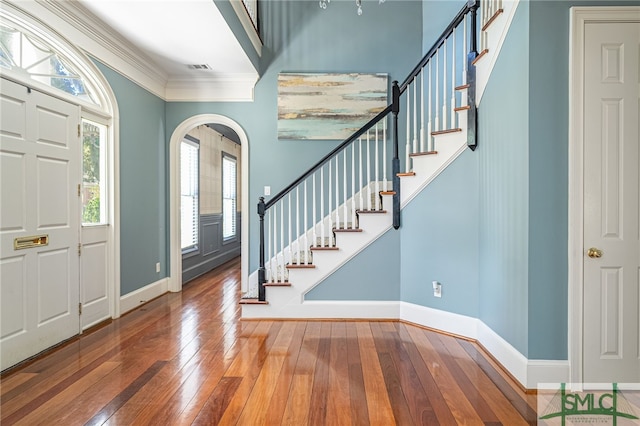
pixel 219 88
pixel 100 41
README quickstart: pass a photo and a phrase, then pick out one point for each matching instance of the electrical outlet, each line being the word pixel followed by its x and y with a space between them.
pixel 158 267
pixel 437 289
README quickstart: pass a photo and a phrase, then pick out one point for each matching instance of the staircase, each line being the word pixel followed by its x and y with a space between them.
pixel 355 194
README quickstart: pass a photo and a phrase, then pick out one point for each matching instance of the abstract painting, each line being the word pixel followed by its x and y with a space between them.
pixel 328 106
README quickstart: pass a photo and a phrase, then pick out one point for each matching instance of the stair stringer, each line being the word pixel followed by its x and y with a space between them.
pixel 288 302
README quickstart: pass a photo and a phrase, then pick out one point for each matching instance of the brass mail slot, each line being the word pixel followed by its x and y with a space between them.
pixel 32 241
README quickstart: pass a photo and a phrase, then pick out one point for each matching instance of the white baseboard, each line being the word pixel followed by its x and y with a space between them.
pixel 326 310
pixel 528 372
pixel 141 296
pixel 448 322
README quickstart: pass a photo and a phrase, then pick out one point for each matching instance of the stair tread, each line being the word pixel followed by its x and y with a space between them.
pixel 324 248
pixel 463 87
pixel 418 154
pixel 484 52
pixel 347 230
pixel 370 211
pixel 277 284
pixel 301 266
pixel 462 108
pixel 444 132
pixel 253 301
pixel 493 18
pixel 387 192
pixel 405 174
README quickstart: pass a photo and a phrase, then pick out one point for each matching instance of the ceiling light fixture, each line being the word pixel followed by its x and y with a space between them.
pixel 325 3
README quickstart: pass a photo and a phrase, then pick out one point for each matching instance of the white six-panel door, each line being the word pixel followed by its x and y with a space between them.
pixel 40 170
pixel 611 187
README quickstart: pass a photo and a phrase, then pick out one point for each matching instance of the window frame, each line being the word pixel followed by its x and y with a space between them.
pixel 234 237
pixel 195 248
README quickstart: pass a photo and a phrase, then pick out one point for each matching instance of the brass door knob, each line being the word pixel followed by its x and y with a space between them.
pixel 594 253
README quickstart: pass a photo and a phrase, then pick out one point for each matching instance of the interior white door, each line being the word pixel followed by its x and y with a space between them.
pixel 40 170
pixel 611 221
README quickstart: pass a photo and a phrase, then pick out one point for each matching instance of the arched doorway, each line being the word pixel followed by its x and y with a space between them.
pixel 175 279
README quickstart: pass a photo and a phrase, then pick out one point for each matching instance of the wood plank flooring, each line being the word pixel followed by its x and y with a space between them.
pixel 188 359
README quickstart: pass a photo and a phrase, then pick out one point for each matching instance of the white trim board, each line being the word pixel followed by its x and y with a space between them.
pixel 580 17
pixel 528 372
pixel 139 297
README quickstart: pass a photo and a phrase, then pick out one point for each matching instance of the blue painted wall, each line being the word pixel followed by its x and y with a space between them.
pixel 374 274
pixel 300 37
pixel 503 186
pixel 143 183
pixel 439 240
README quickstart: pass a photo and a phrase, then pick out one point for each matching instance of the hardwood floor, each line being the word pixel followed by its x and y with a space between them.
pixel 187 359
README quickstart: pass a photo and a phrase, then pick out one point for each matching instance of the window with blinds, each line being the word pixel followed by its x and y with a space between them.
pixel 189 200
pixel 229 196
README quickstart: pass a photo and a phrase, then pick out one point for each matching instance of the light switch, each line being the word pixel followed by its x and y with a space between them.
pixel 267 190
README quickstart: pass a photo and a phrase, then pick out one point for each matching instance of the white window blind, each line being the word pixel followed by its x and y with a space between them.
pixel 229 185
pixel 189 205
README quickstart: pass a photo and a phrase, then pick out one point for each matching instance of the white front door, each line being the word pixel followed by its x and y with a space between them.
pixel 611 329
pixel 39 177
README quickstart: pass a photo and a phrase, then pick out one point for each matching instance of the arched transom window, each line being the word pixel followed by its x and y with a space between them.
pixel 28 56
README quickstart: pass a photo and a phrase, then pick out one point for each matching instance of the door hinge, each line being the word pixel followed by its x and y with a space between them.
pixel 78 130
pixel 79 308
pixel 79 189
pixel 79 249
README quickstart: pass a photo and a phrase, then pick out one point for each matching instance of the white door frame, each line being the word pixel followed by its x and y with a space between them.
pixel 580 16
pixel 175 277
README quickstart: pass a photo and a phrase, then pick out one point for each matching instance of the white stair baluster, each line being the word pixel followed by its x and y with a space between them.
pixel 384 154
pixel 360 184
pixel 408 144
pixel 377 169
pixel 368 174
pixel 353 183
pixel 444 85
pixel 306 226
pixel 465 37
pixel 322 206
pixel 436 89
pixel 429 125
pixel 415 115
pixel 344 189
pixel 281 202
pixel 269 271
pixel 298 221
pixel 337 192
pixel 330 197
pixel 289 226
pixel 453 80
pixel 313 209
pixel 422 135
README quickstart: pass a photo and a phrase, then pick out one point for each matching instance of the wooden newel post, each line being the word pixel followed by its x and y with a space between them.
pixel 261 272
pixel 395 164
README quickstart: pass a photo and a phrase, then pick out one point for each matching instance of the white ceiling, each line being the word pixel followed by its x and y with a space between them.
pixel 176 33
